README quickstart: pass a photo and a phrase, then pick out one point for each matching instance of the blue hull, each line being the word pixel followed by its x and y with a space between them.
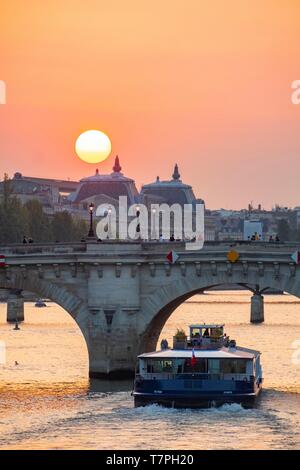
pixel 196 401
pixel 195 393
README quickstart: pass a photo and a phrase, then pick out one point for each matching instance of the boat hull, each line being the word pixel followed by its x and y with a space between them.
pixel 199 401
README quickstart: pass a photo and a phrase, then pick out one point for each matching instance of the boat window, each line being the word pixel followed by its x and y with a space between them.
pixel 233 366
pixel 195 333
pixel 216 332
pixel 206 333
pixel 200 366
pixel 158 366
pixel 178 366
pixel 214 366
pixel 166 366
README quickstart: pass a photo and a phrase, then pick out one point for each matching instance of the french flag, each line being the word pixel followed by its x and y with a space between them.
pixel 193 360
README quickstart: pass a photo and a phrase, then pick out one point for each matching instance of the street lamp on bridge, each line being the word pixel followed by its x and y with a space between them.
pixel 91 233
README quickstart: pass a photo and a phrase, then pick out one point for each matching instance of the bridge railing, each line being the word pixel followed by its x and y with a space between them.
pixel 36 248
pixel 147 246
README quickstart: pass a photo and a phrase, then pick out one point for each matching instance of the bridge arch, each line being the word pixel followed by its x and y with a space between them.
pixel 44 288
pixel 162 302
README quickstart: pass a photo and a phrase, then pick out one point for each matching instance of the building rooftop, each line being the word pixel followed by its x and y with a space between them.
pixel 21 179
pixel 169 192
pixel 112 185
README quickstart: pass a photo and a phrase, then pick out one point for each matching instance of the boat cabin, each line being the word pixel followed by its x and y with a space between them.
pixel 202 336
pixel 224 364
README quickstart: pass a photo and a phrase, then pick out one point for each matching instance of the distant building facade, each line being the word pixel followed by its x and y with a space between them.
pixel 51 193
pixel 75 197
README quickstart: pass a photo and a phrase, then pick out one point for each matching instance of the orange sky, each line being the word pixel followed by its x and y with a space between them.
pixel 206 84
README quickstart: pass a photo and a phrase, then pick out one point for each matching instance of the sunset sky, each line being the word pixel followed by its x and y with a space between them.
pixel 206 84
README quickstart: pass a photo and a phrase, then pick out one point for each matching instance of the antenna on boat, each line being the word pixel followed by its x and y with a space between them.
pixel 17 325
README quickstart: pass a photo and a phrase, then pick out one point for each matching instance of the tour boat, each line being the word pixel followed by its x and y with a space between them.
pixel 203 370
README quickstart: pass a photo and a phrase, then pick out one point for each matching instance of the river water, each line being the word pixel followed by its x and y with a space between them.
pixel 47 401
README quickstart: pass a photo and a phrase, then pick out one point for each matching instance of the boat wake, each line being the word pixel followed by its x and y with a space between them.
pixel 230 408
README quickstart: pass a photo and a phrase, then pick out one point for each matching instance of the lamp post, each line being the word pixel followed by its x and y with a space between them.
pixel 138 228
pixel 91 233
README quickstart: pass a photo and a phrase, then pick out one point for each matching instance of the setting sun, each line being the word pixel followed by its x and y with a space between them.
pixel 93 146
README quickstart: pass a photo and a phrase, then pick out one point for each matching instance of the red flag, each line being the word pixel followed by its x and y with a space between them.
pixel 193 360
pixel 2 261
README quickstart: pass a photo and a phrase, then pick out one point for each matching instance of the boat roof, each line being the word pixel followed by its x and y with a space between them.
pixel 204 325
pixel 222 353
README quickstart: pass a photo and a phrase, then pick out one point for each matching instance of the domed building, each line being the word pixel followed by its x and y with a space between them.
pixel 168 192
pixel 101 189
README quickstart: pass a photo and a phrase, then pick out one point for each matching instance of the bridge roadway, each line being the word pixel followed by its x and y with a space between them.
pixel 121 293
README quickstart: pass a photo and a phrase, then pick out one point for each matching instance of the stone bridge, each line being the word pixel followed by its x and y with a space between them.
pixel 121 293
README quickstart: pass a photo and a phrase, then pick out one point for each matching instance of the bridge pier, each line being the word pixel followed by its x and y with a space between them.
pixel 15 307
pixel 257 308
pixel 113 344
pixel 112 359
